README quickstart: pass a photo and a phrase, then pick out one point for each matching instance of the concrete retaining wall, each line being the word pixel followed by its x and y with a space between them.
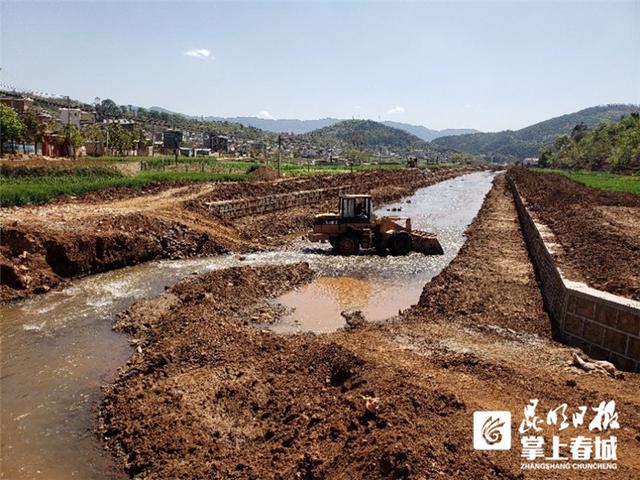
pixel 605 326
pixel 230 209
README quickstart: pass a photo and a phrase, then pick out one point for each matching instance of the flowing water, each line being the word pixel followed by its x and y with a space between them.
pixel 381 286
pixel 57 349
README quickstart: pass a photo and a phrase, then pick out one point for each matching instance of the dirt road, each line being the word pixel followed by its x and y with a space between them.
pixel 208 396
pixel 42 246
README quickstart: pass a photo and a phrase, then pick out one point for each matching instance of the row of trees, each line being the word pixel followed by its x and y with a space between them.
pixel 15 129
pixel 29 129
pixel 116 138
pixel 610 146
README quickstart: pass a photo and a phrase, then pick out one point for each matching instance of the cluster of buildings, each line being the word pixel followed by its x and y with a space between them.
pixel 157 138
pixel 149 137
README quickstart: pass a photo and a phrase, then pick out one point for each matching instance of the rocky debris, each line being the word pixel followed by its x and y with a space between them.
pixel 354 319
pixel 598 366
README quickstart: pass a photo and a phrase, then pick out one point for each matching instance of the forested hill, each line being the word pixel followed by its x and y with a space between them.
pixel 610 146
pixel 526 142
pixel 368 135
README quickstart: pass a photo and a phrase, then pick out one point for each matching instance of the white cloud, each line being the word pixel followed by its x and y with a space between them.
pixel 199 53
pixel 265 115
pixel 396 110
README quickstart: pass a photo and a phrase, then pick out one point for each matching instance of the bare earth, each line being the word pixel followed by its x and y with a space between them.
pixel 207 395
pixel 599 231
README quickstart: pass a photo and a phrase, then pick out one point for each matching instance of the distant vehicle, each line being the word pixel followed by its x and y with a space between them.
pixel 355 227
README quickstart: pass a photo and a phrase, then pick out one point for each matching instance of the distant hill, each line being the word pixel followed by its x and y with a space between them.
pixel 304 126
pixel 367 134
pixel 428 134
pixel 526 142
pixel 281 125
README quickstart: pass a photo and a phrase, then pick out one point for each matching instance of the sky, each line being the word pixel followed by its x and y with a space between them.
pixel 483 65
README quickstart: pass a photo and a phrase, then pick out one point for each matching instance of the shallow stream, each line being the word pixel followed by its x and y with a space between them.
pixel 57 349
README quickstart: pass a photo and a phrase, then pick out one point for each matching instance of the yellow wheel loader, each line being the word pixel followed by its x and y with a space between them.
pixel 355 227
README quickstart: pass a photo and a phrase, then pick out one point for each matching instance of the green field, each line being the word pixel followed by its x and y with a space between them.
pixel 42 189
pixel 41 182
pixel 602 180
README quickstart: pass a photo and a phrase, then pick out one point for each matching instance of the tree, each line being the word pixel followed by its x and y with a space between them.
pixel 120 139
pixel 107 108
pixel 72 138
pixel 33 129
pixel 11 127
pixel 94 134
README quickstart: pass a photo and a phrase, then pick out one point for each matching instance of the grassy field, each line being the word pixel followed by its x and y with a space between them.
pixel 24 190
pixel 602 180
pixel 40 181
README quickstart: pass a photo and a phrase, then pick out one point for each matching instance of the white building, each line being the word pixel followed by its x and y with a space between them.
pixel 70 116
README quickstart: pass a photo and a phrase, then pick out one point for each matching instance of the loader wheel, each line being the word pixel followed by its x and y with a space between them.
pixel 401 243
pixel 348 244
pixel 381 248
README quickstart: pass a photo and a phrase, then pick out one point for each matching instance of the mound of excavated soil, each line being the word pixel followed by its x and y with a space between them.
pixel 206 395
pixel 33 259
pixel 599 230
pixel 264 173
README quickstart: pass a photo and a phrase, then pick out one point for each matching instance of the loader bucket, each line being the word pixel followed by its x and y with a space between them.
pixel 425 242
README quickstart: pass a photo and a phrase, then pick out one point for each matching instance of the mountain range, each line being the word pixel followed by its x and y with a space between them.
pixel 292 125
pixel 526 142
pixel 304 126
pixel 507 145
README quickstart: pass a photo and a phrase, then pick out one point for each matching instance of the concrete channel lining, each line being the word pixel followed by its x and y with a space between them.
pixel 603 325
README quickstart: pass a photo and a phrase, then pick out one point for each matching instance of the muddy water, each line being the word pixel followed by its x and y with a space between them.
pixel 381 286
pixel 57 349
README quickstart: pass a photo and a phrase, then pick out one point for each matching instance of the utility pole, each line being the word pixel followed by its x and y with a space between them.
pixel 279 148
pixel 69 124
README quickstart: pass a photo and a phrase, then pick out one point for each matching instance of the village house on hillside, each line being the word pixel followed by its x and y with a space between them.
pixel 20 104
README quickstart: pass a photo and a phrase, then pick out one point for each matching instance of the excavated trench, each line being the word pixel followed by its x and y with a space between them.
pixel 57 349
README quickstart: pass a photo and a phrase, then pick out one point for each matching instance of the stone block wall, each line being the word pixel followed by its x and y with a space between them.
pixel 230 209
pixel 603 325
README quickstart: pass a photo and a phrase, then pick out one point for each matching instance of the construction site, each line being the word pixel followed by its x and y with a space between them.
pixel 197 332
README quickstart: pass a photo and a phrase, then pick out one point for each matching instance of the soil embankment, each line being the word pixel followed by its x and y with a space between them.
pixel 599 231
pixel 43 246
pixel 208 395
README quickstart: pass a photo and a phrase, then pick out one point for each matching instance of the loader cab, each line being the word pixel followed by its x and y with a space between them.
pixel 356 208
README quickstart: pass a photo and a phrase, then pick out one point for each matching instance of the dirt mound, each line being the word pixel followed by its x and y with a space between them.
pixel 33 260
pixel 220 400
pixel 599 230
pixel 263 173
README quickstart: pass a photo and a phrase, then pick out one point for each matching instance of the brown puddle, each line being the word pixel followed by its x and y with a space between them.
pixel 316 307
